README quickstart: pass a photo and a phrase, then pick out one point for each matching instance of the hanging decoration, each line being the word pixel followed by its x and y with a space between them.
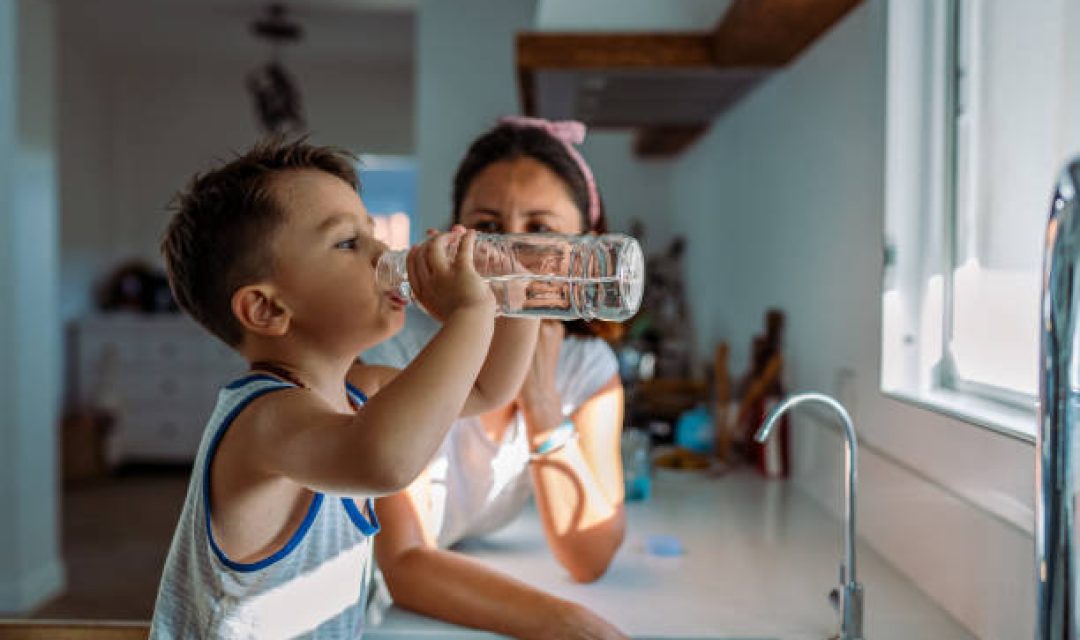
pixel 273 89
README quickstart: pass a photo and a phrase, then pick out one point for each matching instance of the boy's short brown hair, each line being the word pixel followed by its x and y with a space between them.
pixel 218 239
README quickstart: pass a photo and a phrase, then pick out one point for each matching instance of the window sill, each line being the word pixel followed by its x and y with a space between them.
pixel 1010 421
pixel 1014 423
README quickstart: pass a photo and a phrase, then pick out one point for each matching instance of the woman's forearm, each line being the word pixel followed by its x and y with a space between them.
pixel 578 488
pixel 508 358
pixel 583 527
pixel 449 586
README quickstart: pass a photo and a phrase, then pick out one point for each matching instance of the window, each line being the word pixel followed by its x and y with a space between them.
pixel 388 187
pixel 981 103
pixel 392 229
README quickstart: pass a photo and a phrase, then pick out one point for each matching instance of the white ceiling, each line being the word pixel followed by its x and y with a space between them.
pixel 373 31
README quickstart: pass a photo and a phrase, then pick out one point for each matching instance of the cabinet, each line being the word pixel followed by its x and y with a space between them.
pixel 157 375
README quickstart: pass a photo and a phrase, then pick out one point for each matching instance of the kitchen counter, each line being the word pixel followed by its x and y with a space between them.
pixel 758 561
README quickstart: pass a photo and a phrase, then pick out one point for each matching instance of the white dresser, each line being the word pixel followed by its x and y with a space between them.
pixel 158 375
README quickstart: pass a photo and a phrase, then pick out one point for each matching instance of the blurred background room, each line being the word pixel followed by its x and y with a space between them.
pixel 781 200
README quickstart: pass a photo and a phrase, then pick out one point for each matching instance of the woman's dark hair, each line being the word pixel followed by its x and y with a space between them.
pixel 510 142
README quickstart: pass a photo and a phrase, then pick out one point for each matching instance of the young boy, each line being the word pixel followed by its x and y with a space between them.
pixel 274 254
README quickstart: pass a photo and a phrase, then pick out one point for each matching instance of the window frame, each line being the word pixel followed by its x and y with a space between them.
pixel 922 177
pixel 962 20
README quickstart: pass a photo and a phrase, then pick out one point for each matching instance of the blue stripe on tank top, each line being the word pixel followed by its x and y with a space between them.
pixel 316 501
pixel 356 392
pixel 366 527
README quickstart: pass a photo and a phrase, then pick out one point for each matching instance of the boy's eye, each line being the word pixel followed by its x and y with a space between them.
pixel 348 244
pixel 487 226
pixel 538 227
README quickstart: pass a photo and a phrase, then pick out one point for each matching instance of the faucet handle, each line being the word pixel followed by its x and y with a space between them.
pixel 836 597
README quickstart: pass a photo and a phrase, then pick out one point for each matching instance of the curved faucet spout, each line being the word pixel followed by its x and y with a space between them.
pixel 1056 549
pixel 851 627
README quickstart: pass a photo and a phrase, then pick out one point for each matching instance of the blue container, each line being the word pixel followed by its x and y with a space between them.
pixel 637 465
pixel 694 430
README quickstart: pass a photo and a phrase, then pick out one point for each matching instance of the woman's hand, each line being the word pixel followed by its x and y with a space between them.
pixel 443 283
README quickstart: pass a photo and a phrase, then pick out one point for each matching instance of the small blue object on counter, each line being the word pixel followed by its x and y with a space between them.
pixel 663 545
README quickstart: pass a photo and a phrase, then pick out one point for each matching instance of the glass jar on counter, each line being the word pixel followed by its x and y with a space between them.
pixel 637 464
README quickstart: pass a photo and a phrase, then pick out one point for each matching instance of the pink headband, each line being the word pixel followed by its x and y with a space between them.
pixel 569 133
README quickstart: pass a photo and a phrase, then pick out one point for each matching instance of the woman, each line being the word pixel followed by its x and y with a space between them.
pixel 558 441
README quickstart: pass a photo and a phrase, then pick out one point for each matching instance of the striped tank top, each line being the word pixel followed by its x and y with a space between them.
pixel 315 586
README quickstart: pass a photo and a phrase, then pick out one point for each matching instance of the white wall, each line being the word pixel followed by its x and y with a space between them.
pixel 465 81
pixel 782 202
pixel 134 128
pixel 30 565
pixel 631 187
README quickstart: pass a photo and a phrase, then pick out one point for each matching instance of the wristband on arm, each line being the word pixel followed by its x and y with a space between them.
pixel 559 438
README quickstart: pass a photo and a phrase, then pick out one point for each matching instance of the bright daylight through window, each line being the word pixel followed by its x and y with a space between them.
pixel 969 182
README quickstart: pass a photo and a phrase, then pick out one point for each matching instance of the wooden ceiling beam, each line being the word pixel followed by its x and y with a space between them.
pixel 665 142
pixel 753 34
pixel 548 50
pixel 772 32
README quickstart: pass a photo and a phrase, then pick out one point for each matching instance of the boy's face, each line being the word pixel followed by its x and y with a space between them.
pixel 324 265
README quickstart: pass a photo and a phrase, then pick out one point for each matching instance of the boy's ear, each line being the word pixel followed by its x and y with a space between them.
pixel 259 310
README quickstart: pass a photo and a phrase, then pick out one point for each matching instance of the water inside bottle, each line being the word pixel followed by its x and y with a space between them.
pixel 561 297
pixel 565 278
pixel 550 275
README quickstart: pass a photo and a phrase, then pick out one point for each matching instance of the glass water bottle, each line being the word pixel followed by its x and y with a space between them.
pixel 548 275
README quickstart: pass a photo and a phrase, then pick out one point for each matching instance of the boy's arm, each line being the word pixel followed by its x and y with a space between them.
pixel 453 587
pixel 504 369
pixel 392 437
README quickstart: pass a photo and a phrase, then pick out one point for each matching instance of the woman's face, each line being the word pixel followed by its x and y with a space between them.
pixel 520 196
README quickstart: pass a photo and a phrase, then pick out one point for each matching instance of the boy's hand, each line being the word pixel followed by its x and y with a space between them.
pixel 443 284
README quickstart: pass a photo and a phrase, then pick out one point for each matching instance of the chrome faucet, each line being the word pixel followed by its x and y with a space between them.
pixel 1059 404
pixel 851 617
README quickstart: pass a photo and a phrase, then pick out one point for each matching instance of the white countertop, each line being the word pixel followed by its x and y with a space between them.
pixel 759 560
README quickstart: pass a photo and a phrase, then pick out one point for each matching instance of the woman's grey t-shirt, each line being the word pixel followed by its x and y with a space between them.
pixel 479 485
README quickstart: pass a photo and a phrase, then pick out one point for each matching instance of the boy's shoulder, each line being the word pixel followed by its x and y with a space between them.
pixel 255 389
pixel 262 405
pixel 267 423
